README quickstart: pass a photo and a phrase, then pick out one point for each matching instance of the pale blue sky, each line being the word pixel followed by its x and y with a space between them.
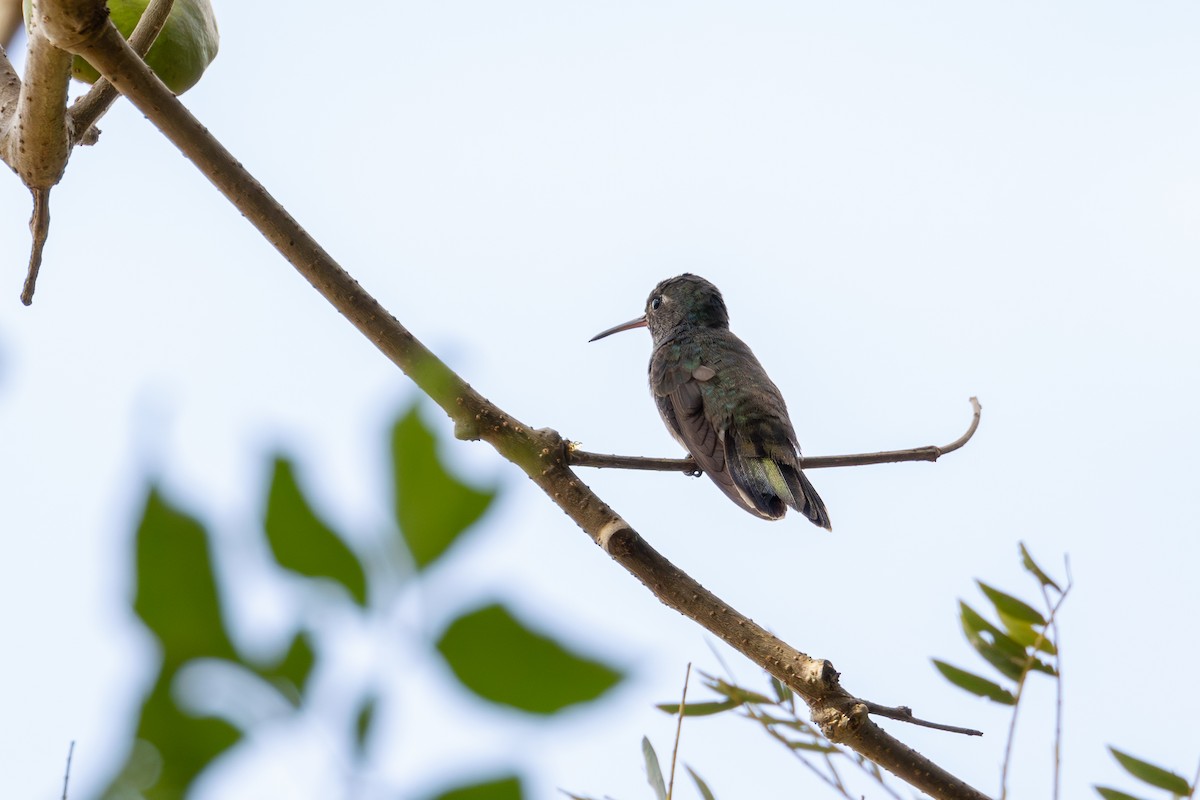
pixel 904 204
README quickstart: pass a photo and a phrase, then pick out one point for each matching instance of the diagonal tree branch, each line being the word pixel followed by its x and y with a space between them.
pixel 582 458
pixel 542 454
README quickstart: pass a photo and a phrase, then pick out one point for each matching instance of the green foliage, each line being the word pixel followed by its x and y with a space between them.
pixel 654 774
pixel 507 788
pixel 178 597
pixel 363 723
pixel 176 594
pixel 522 668
pixel 290 675
pixel 701 786
pixel 1014 646
pixel 302 542
pixel 975 684
pixel 1149 774
pixel 432 507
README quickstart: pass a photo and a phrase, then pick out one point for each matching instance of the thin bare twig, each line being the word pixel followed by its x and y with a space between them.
pixel 904 714
pixel 67 772
pixel 1052 626
pixel 679 729
pixel 39 228
pixel 1026 669
pixel 582 458
pixel 89 108
pixel 541 453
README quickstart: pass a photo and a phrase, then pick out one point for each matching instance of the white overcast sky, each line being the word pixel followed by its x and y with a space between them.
pixel 905 204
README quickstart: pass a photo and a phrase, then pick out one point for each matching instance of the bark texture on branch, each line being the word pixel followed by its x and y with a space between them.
pixel 541 453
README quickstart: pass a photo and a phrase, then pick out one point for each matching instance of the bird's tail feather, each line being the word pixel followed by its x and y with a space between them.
pixel 805 498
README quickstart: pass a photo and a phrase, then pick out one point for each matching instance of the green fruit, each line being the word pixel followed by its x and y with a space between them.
pixel 184 49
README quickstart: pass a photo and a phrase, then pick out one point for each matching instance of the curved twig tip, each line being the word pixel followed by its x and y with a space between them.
pixel 966 437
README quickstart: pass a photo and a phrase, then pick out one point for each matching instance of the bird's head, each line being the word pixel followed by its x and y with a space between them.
pixel 683 301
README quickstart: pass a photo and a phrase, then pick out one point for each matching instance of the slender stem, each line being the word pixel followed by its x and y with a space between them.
pixel 67 771
pixel 39 227
pixel 904 714
pixel 542 454
pixel 678 730
pixel 582 458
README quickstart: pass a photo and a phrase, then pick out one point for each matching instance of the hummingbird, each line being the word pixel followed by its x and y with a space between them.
pixel 718 402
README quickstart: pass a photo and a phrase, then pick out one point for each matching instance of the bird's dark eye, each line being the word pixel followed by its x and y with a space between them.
pixel 655 303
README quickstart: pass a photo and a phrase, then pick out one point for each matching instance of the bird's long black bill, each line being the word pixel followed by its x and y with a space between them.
pixel 640 322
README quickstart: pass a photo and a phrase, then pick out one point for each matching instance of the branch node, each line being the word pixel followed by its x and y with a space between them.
pixel 467 429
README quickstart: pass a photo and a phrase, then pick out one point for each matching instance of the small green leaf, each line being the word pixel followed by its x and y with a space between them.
pixel 432 507
pixel 997 647
pixel 1007 604
pixel 183 746
pixel 1032 568
pixel 363 723
pixel 654 774
pixel 1024 634
pixel 302 542
pixel 176 593
pixel 506 788
pixel 290 675
pixel 701 786
pixel 783 692
pixel 498 658
pixel 700 709
pixel 734 692
pixel 1151 774
pixel 975 684
pixel 1114 794
pixel 814 747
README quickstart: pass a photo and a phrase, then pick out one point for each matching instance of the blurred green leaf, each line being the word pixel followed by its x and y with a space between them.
pixel 1032 568
pixel 176 593
pixel 506 788
pixel 1151 774
pixel 997 647
pixel 975 684
pixel 1026 635
pixel 654 774
pixel 184 745
pixel 290 675
pixel 783 692
pixel 735 692
pixel 176 597
pixel 815 747
pixel 701 786
pixel 363 723
pixel 700 709
pixel 1013 607
pixel 302 542
pixel 993 644
pixel 498 658
pixel 433 508
pixel 1114 794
